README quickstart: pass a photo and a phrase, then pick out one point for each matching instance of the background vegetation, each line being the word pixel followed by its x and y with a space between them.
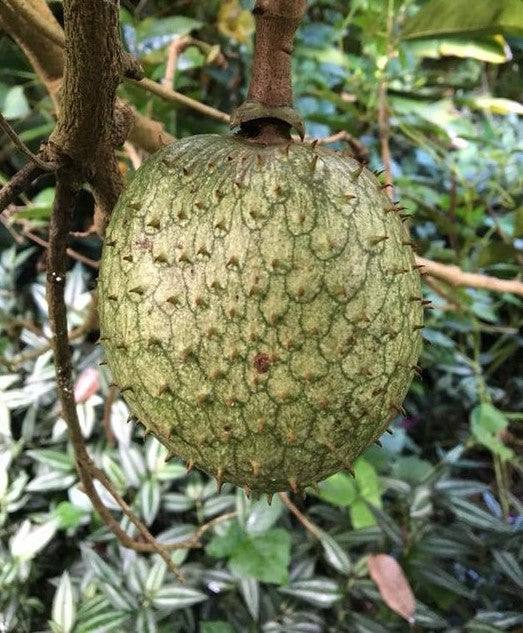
pixel 440 496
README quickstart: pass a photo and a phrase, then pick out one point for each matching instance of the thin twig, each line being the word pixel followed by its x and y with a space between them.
pixel 307 524
pixel 176 97
pixel 455 276
pixel 44 165
pixel 106 415
pixel 19 183
pixel 175 48
pixel 71 252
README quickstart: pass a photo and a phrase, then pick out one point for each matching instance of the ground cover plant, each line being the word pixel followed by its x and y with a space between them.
pixel 426 534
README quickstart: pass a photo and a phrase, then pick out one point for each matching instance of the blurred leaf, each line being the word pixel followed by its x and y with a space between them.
pixel 486 422
pixel 234 21
pixel 64 610
pixel 454 17
pixel 29 540
pixel 496 105
pixel 15 105
pixel 470 514
pixel 320 592
pixel 393 585
pixel 216 627
pixel 68 515
pixel 149 500
pixel 335 555
pixel 250 590
pixel 105 622
pixel 493 50
pixel 509 566
pixel 339 489
pixel 263 556
pixel 263 516
pixel 171 597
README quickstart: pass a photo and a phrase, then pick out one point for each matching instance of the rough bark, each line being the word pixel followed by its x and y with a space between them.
pixel 276 24
pixel 88 130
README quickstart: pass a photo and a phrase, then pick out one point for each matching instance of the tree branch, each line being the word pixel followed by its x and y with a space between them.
pixel 38 34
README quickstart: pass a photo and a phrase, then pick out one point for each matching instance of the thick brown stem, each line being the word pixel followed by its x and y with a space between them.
pixel 276 24
pixel 267 115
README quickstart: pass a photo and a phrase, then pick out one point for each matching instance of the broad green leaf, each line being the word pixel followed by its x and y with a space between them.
pixel 64 609
pixel 263 556
pixel 340 489
pixel 486 422
pixel 68 515
pixel 263 516
pixel 360 515
pixel 411 469
pixel 224 545
pixel 440 18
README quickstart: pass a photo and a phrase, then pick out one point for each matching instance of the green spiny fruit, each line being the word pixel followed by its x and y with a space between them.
pixel 260 308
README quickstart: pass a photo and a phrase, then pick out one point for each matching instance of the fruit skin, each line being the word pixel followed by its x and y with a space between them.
pixel 259 308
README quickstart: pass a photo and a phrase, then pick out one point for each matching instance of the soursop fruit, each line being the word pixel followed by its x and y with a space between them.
pixel 260 308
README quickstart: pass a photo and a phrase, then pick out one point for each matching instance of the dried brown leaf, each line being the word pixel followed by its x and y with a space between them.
pixel 393 585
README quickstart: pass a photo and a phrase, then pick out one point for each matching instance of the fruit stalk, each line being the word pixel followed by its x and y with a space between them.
pixel 267 115
pixel 276 24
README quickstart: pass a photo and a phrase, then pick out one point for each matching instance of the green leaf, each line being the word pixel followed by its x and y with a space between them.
pixel 263 516
pixel 360 515
pixel 68 515
pixel 222 546
pixel 486 422
pixel 411 469
pixel 454 17
pixel 340 490
pixel 474 516
pixel 263 556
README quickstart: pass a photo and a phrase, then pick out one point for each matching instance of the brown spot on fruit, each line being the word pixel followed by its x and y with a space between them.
pixel 261 363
